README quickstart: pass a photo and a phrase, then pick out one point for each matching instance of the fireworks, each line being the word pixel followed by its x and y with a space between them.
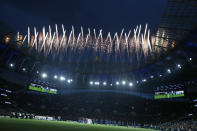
pixel 69 46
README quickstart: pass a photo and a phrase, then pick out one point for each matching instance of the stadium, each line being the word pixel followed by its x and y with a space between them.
pixel 86 79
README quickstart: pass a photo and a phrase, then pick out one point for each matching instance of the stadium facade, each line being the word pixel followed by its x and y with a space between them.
pixel 177 21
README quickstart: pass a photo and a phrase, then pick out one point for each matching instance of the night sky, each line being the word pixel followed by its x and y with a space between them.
pixel 109 15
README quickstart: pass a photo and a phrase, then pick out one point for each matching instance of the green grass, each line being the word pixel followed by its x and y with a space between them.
pixel 11 124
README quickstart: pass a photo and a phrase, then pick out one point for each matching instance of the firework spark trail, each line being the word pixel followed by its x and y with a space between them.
pixel 63 44
pixel 28 35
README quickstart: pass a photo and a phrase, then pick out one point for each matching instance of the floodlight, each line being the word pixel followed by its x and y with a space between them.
pixel 130 84
pixel 123 82
pixel 117 83
pixel 69 81
pixel 179 66
pixel 97 83
pixel 24 69
pixel 151 76
pixel 62 78
pixel 44 75
pixel 91 82
pixel 11 65
pixel 144 80
pixel 55 77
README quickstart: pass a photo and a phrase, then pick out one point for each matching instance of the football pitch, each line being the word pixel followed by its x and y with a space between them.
pixel 12 124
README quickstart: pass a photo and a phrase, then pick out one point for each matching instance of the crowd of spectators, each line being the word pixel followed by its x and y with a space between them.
pixel 101 106
pixel 179 125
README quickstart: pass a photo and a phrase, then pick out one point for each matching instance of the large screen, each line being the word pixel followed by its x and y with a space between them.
pixel 168 94
pixel 39 88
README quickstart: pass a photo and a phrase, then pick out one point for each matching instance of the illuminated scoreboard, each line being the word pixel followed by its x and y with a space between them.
pixel 168 94
pixel 39 88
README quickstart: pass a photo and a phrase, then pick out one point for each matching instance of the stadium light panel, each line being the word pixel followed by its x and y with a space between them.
pixel 44 75
pixel 24 69
pixel 69 81
pixel 168 70
pixel 8 91
pixel 3 94
pixel 151 76
pixel 195 100
pixel 11 65
pixel 7 102
pixel 130 84
pixel 179 66
pixel 97 83
pixel 117 83
pixel 123 82
pixel 62 78
pixel 55 77
pixel 91 82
